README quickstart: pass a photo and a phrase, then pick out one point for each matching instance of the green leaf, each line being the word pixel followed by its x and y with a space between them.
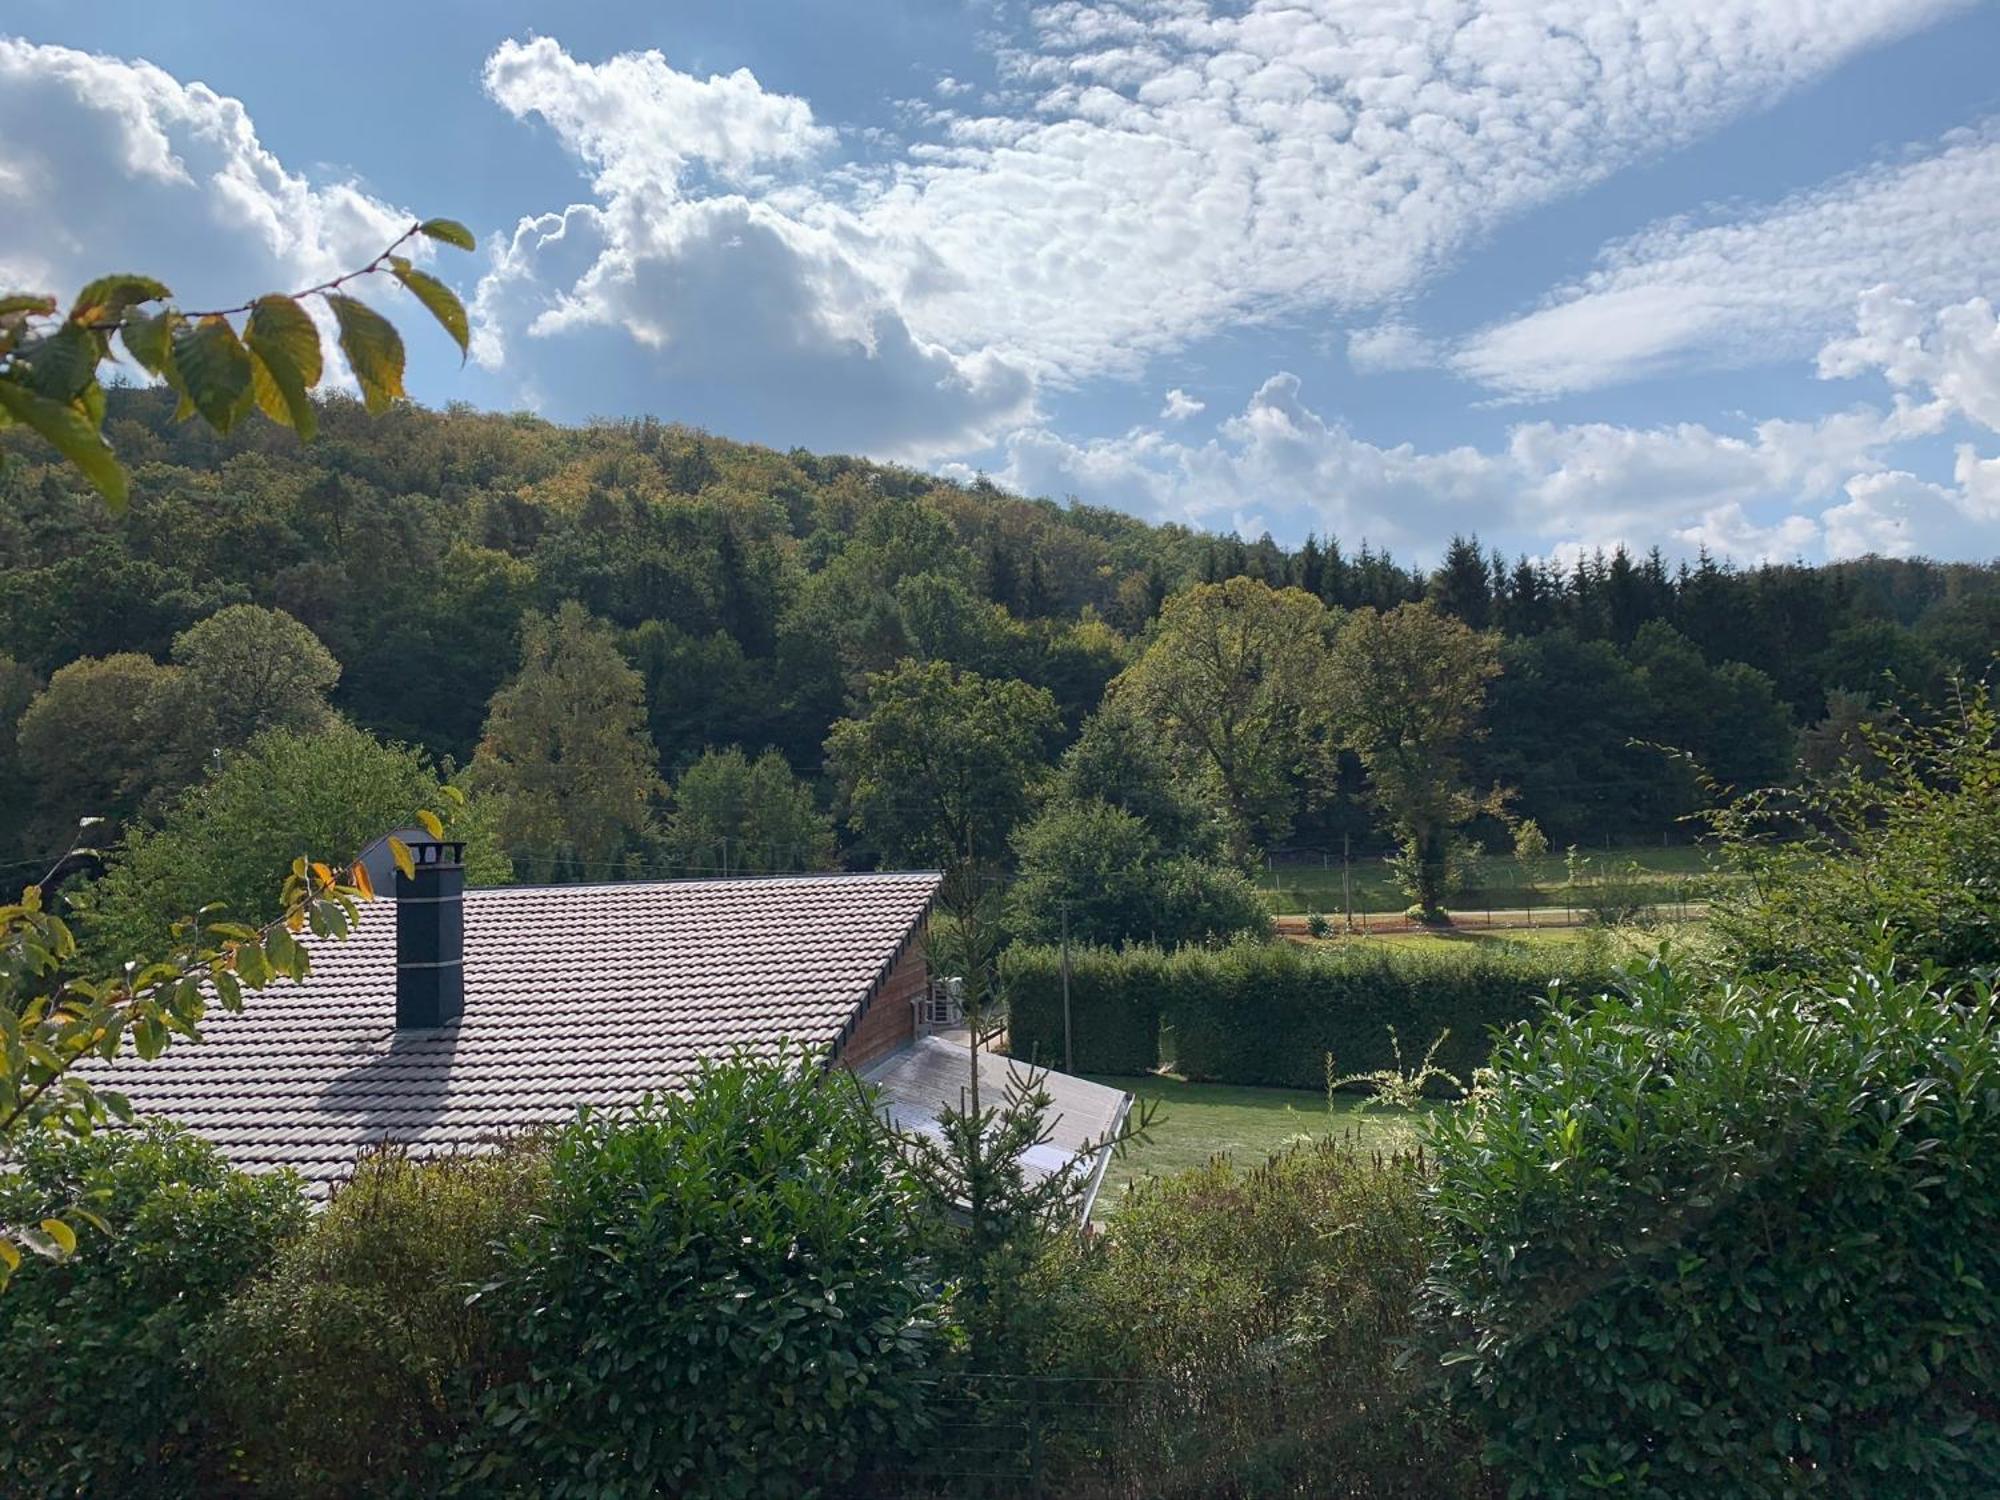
pixel 216 369
pixel 374 351
pixel 450 231
pixel 286 344
pixel 105 299
pixel 440 299
pixel 149 340
pixel 62 1234
pixel 26 303
pixel 61 365
pixel 70 434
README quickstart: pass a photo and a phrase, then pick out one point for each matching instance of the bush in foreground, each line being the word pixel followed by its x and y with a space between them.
pixel 353 1364
pixel 1240 1331
pixel 1732 1240
pixel 726 1293
pixel 100 1385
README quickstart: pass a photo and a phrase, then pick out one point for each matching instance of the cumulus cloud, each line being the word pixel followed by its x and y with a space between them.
pixel 1772 490
pixel 1953 352
pixel 1311 155
pixel 109 165
pixel 702 277
pixel 1769 284
pixel 1180 406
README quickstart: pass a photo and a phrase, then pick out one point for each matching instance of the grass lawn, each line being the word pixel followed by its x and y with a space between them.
pixel 1199 1120
pixel 1619 943
pixel 1310 885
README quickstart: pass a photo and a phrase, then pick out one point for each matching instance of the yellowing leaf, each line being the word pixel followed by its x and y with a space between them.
pixel 373 348
pixel 70 434
pixel 62 1234
pixel 449 231
pixel 105 299
pixel 215 369
pixel 286 343
pixel 440 299
pixel 363 884
pixel 432 824
pixel 400 853
pixel 10 1254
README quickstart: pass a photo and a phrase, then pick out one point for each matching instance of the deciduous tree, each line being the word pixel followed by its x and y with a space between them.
pixel 246 669
pixel 566 756
pixel 735 815
pixel 941 765
pixel 1232 681
pixel 1405 692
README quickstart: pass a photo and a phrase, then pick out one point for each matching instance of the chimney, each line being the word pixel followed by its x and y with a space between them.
pixel 430 937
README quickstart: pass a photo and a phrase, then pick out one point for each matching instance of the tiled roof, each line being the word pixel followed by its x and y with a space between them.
pixel 573 995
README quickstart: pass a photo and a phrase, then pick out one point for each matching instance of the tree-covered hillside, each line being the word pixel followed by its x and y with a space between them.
pixel 753 593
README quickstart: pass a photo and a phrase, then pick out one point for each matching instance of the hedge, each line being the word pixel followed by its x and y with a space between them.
pixel 1731 1238
pixel 1114 1006
pixel 1269 1013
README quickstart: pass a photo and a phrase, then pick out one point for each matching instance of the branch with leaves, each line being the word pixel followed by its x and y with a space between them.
pixel 57 1023
pixel 272 363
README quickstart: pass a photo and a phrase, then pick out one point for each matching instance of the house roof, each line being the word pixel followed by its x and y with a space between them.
pixel 916 1084
pixel 573 995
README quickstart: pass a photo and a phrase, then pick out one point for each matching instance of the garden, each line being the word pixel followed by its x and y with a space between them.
pixel 1715 1221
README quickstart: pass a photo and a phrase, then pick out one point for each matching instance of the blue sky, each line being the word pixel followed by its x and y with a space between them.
pixel 1566 273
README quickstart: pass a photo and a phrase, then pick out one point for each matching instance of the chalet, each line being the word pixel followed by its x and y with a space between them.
pixel 450 1018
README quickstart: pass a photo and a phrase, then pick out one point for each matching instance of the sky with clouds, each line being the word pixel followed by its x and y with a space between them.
pixel 1564 273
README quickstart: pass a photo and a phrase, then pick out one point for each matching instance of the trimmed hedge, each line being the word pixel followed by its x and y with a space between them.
pixel 1114 1006
pixel 1269 1013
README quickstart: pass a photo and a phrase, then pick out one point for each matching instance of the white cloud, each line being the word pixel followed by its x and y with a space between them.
pixel 1770 284
pixel 1773 490
pixel 726 301
pixel 109 165
pixel 1953 352
pixel 1150 172
pixel 1390 345
pixel 1180 406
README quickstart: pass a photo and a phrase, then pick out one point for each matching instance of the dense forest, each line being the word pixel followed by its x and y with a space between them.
pixel 751 594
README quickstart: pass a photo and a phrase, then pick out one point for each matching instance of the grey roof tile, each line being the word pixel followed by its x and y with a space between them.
pixel 573 995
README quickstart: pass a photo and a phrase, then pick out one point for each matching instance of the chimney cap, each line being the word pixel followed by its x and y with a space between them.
pixel 436 851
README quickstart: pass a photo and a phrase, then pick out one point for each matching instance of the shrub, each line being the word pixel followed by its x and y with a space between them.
pixel 1114 1007
pixel 1897 853
pixel 100 1389
pixel 1121 886
pixel 725 1294
pixel 1268 1013
pixel 1732 1239
pixel 1239 1331
pixel 373 1303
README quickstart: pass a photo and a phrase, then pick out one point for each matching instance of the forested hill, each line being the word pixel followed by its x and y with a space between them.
pixel 753 590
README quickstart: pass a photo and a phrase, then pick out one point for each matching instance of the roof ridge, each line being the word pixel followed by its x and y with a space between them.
pixel 688 882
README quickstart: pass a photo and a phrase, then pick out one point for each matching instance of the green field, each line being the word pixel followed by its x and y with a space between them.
pixel 1199 1120
pixel 1679 874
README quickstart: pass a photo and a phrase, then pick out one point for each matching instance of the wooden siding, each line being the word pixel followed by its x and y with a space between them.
pixel 889 1019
